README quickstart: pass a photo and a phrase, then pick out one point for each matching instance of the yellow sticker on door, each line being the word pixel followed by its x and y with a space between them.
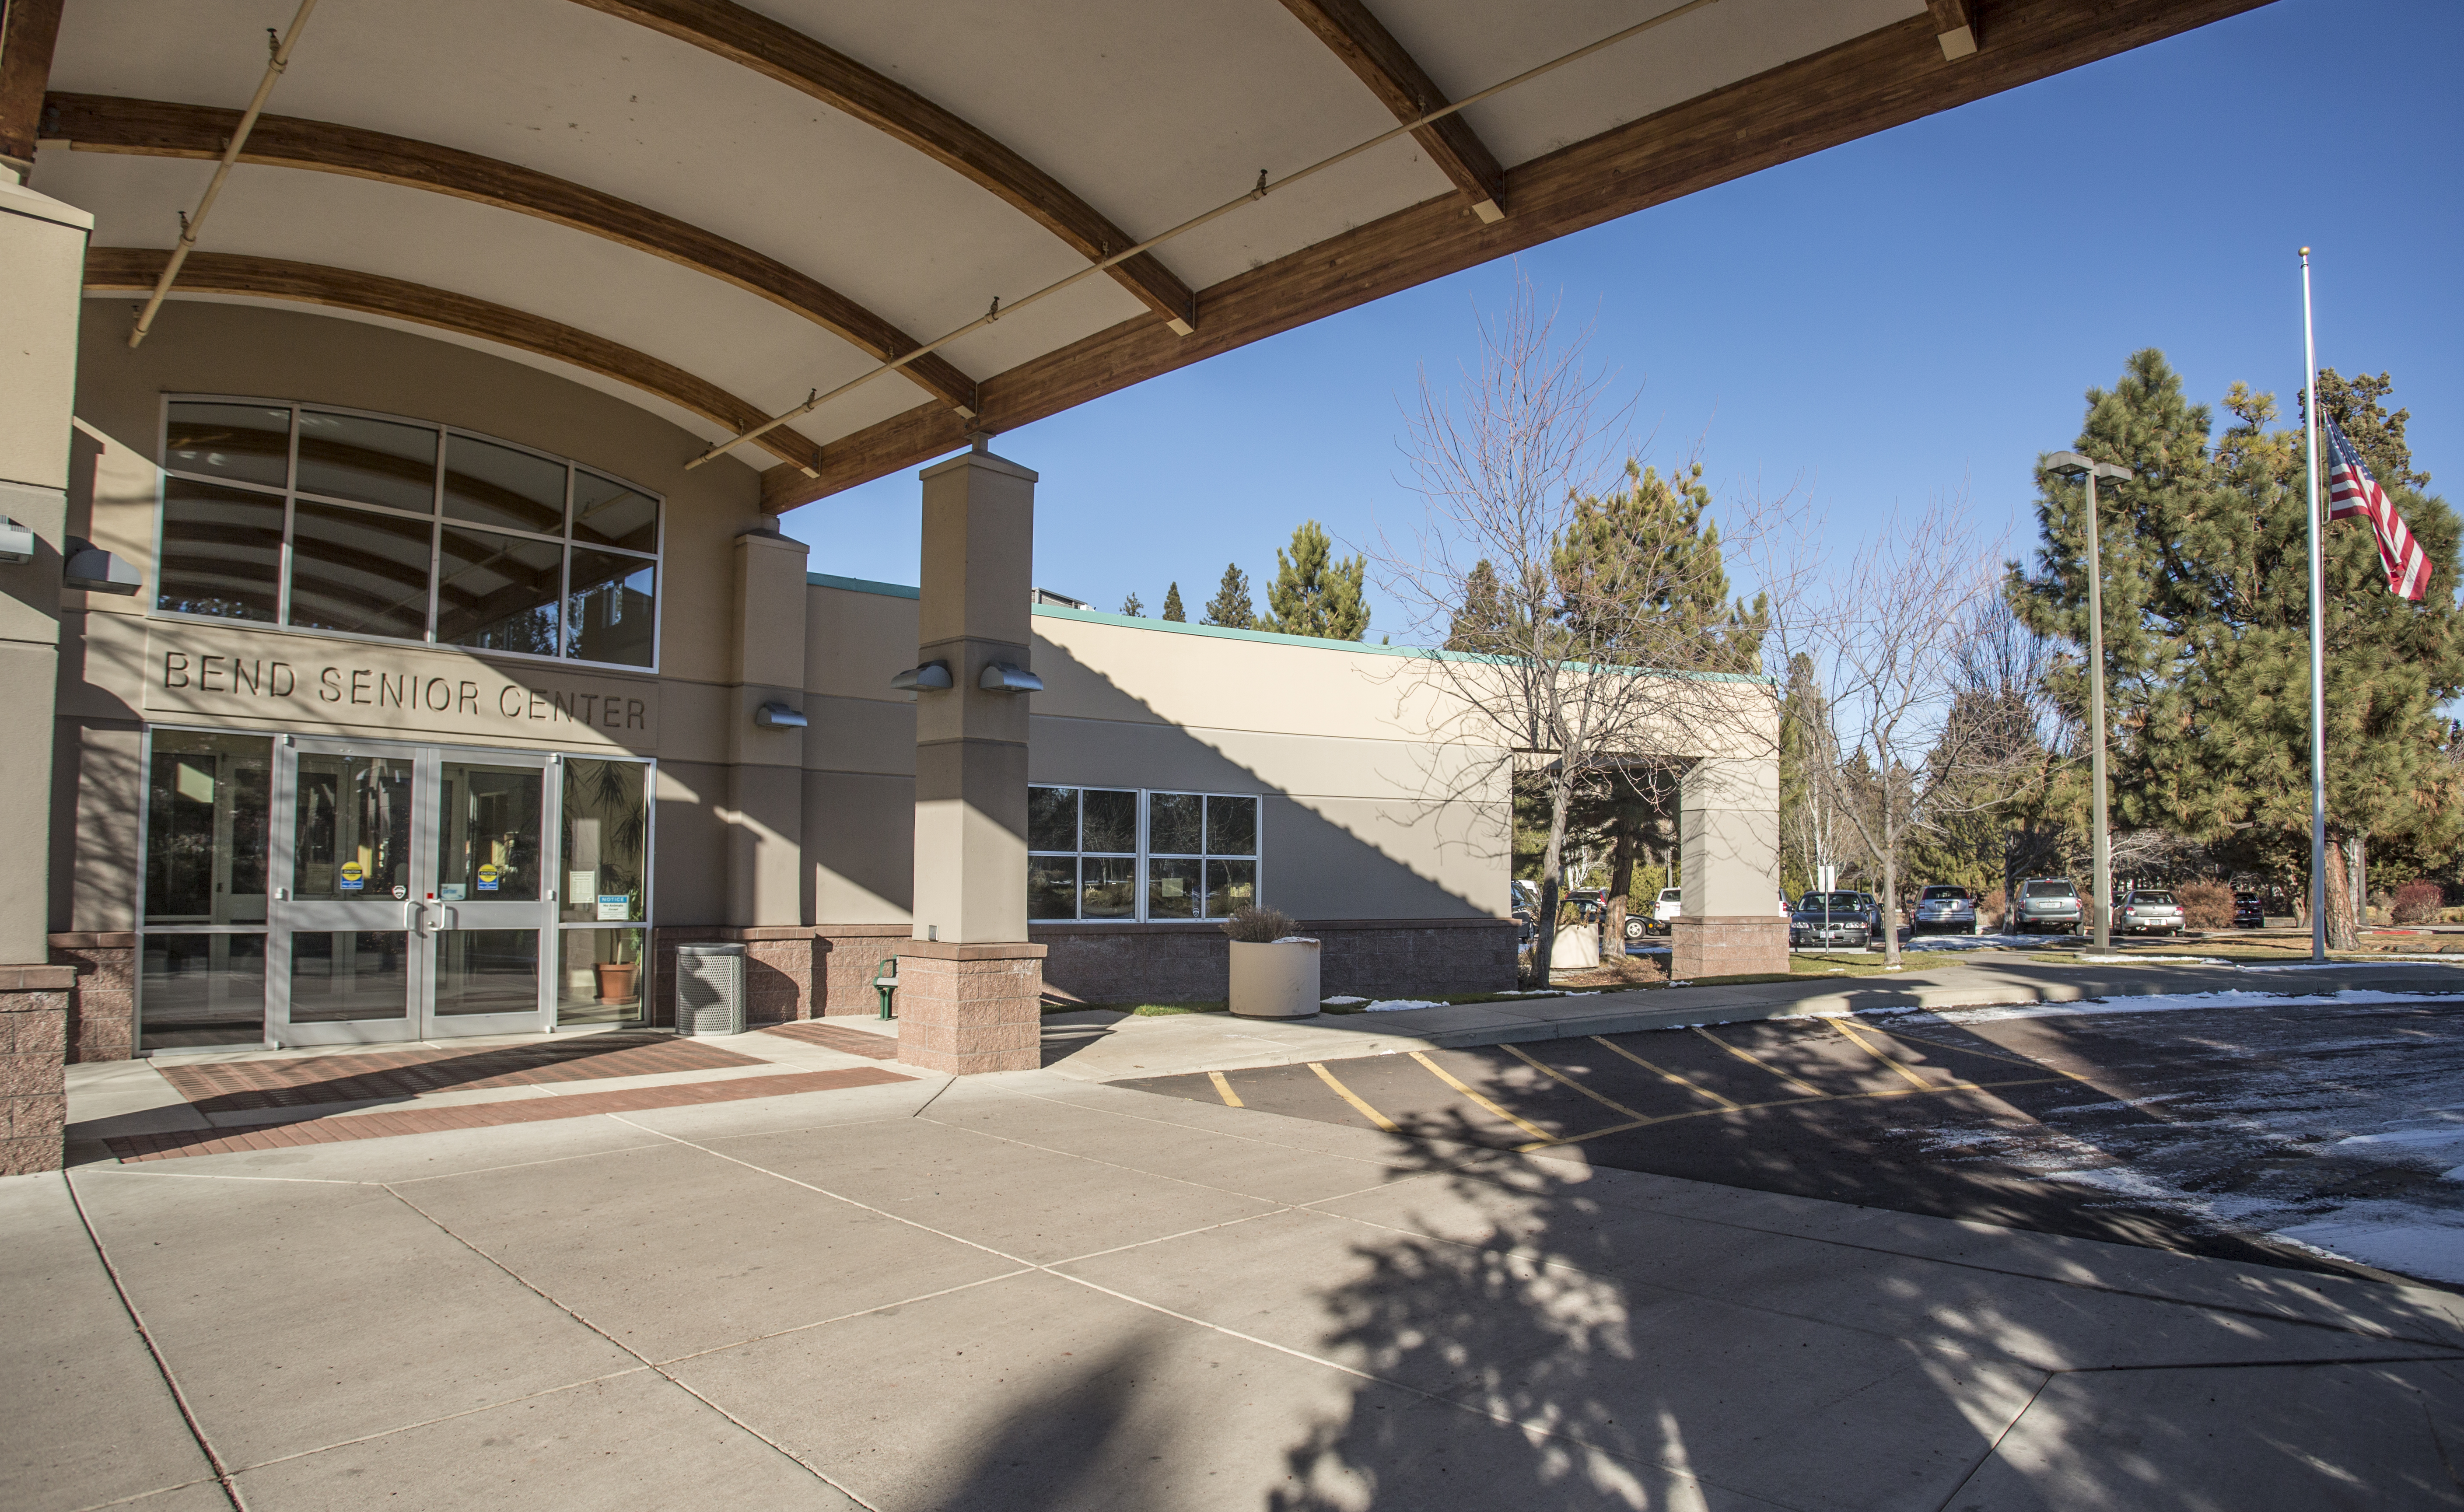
pixel 355 877
pixel 487 876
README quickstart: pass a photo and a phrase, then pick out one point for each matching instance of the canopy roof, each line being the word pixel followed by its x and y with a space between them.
pixel 717 210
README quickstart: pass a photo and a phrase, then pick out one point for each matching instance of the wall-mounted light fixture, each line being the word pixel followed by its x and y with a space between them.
pixel 1000 677
pixel 921 679
pixel 16 541
pixel 96 570
pixel 778 717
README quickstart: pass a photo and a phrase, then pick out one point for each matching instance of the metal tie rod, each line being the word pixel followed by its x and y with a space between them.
pixel 1259 192
pixel 191 225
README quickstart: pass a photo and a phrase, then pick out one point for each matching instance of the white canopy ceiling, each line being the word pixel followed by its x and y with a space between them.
pixel 1007 121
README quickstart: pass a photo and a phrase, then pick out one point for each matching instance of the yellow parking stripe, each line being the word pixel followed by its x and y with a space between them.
pixel 1353 1098
pixel 1862 1043
pixel 1231 1098
pixel 1554 1072
pixel 1754 1061
pixel 1448 1078
pixel 1663 1073
pixel 1786 1102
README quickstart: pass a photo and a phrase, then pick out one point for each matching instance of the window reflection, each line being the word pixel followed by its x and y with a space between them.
pixel 343 975
pixel 352 830
pixel 376 461
pixel 598 976
pixel 488 833
pixel 199 990
pixel 487 970
pixel 222 552
pixel 499 593
pixel 491 485
pixel 359 571
pixel 205 828
pixel 607 835
pixel 247 442
pixel 606 512
pixel 607 615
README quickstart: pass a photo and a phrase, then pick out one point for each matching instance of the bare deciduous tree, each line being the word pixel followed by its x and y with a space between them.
pixel 1570 635
pixel 1901 648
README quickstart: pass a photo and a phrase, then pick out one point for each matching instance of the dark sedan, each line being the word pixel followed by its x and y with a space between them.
pixel 1830 919
pixel 2248 912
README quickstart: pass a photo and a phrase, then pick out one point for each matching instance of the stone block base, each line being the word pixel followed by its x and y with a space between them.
pixel 851 954
pixel 1734 946
pixel 103 1008
pixel 779 969
pixel 33 1053
pixel 964 1009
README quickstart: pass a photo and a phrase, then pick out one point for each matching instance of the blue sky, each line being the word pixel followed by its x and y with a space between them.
pixel 1914 313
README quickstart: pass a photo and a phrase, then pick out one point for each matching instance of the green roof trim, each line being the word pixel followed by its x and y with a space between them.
pixel 887 590
pixel 1132 622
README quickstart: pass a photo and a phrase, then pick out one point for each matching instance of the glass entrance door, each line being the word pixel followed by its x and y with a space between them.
pixel 409 901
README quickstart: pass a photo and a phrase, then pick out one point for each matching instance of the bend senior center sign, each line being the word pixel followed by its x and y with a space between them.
pixel 310 680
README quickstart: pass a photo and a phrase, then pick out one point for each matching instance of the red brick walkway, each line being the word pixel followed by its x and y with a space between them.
pixel 233 1086
pixel 839 1037
pixel 416 1120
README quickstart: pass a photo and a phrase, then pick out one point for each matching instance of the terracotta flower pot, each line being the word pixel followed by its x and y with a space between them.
pixel 616 979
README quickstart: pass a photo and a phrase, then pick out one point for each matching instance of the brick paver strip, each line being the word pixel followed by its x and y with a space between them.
pixel 839 1037
pixel 484 1115
pixel 233 1086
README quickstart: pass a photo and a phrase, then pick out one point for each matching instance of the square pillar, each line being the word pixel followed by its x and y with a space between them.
pixel 1728 829
pixel 764 798
pixel 971 994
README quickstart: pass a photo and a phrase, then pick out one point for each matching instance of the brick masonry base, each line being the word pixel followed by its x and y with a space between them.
pixel 968 1008
pixel 779 969
pixel 103 1007
pixel 1732 946
pixel 34 1054
pixel 1102 963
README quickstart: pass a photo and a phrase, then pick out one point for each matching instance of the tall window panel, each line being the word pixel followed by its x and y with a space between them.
pixel 201 967
pixel 394 528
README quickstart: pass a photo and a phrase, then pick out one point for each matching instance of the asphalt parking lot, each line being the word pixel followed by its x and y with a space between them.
pixel 2202 1131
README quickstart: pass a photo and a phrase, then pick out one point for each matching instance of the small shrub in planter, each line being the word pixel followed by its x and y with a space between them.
pixel 1274 970
pixel 2206 905
pixel 2419 902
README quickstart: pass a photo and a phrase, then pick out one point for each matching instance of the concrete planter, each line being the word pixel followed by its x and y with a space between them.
pixel 1578 948
pixel 1277 980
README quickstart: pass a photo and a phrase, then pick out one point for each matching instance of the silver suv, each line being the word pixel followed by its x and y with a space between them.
pixel 2148 911
pixel 1947 909
pixel 2047 903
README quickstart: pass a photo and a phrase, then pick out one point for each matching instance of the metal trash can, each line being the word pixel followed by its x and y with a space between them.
pixel 710 989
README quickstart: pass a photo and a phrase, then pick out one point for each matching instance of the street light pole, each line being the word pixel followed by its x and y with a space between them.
pixel 2071 464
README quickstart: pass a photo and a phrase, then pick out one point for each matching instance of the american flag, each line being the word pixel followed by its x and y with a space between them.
pixel 2351 490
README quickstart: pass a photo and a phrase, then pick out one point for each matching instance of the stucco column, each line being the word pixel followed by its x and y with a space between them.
pixel 1728 829
pixel 42 244
pixel 972 986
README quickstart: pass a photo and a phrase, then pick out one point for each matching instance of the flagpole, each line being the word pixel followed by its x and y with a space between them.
pixel 2318 639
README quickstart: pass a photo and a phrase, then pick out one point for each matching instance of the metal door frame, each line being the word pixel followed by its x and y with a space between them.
pixel 419 915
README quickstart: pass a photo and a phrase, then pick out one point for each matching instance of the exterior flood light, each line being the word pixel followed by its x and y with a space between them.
pixel 778 716
pixel 921 679
pixel 16 541
pixel 96 570
pixel 1000 677
pixel 2071 464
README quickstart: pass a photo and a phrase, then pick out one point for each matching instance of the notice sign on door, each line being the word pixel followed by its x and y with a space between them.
pixel 487 876
pixel 354 878
pixel 616 905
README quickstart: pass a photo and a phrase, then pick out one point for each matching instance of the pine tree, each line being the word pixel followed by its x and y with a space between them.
pixel 2207 631
pixel 1315 594
pixel 1641 573
pixel 1132 608
pixel 1172 609
pixel 1230 607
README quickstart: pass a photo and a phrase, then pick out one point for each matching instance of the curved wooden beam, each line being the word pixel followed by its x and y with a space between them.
pixel 1355 35
pixel 795 60
pixel 134 268
pixel 161 130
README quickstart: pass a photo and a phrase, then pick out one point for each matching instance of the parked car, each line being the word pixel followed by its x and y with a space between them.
pixel 2148 911
pixel 1827 919
pixel 1665 909
pixel 2248 912
pixel 2047 903
pixel 1944 909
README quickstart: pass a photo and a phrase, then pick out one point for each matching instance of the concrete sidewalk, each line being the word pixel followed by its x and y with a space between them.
pixel 1030 1292
pixel 1097 1046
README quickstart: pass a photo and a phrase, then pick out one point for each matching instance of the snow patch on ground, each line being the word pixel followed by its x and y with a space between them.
pixel 2345 966
pixel 2117 1179
pixel 2175 1002
pixel 1979 942
pixel 1340 1002
pixel 2422 1245
pixel 1399 1005
pixel 2135 960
